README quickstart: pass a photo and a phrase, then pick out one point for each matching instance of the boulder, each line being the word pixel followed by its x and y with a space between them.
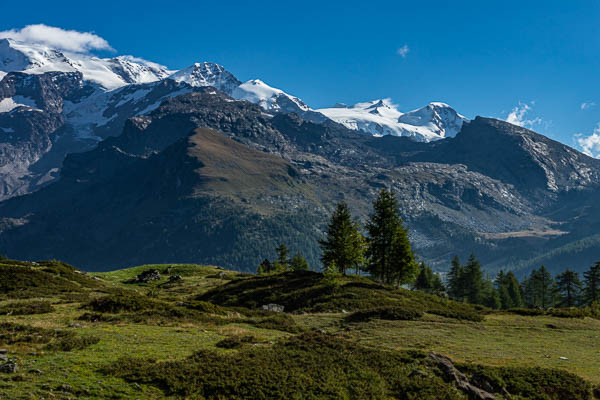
pixel 273 307
pixel 175 278
pixel 462 382
pixel 9 367
pixel 148 275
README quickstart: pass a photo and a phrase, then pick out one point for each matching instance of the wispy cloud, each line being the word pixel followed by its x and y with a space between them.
pixel 69 40
pixel 590 145
pixel 403 51
pixel 518 116
pixel 587 105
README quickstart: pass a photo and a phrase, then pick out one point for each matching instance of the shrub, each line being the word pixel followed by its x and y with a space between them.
pixel 235 342
pixel 386 313
pixel 27 308
pixel 528 312
pixel 72 342
pixel 315 366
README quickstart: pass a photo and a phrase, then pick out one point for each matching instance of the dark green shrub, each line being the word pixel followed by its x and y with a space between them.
pixel 27 308
pixel 124 302
pixel 72 342
pixel 235 342
pixel 569 312
pixel 386 313
pixel 528 312
pixel 280 322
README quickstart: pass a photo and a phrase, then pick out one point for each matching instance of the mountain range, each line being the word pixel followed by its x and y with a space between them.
pixel 111 162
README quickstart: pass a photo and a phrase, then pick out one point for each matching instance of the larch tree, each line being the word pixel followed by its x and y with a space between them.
pixel 390 256
pixel 344 245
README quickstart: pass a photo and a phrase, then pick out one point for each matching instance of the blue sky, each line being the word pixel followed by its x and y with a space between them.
pixel 483 58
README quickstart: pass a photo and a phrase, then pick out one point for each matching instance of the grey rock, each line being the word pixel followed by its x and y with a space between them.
pixel 454 375
pixel 148 275
pixel 9 366
pixel 273 307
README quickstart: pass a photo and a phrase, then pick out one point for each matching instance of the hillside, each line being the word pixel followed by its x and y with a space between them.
pixel 73 334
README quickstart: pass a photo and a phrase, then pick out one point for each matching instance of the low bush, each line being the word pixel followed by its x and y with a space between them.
pixel 54 339
pixel 528 312
pixel 27 308
pixel 315 366
pixel 235 342
pixel 280 322
pixel 385 313
pixel 72 342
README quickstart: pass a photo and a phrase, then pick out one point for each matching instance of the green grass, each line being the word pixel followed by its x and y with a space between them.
pixel 198 337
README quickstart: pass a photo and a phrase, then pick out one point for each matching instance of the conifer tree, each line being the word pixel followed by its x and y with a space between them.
pixel 473 281
pixel 283 259
pixel 455 280
pixel 391 259
pixel 428 281
pixel 569 288
pixel 592 284
pixel 298 263
pixel 540 288
pixel 344 245
pixel 514 290
pixel 265 267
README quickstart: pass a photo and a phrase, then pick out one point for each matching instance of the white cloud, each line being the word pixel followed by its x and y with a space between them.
pixel 403 51
pixel 79 42
pixel 587 105
pixel 518 116
pixel 590 145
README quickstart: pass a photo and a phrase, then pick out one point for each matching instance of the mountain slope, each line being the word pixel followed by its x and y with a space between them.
pixel 231 197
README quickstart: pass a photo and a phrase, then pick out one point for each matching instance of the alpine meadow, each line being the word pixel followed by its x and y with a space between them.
pixel 182 228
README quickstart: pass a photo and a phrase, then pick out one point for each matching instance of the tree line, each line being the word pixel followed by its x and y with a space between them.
pixel 385 253
pixel 539 289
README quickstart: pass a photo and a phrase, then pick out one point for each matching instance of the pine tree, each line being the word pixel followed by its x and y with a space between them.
pixel 265 267
pixel 298 263
pixel 391 259
pixel 514 290
pixel 283 259
pixel 473 281
pixel 569 288
pixel 509 290
pixel 428 281
pixel 455 280
pixel 592 284
pixel 539 288
pixel 344 245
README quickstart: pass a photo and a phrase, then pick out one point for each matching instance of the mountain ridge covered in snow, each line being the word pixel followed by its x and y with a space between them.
pixel 432 122
pixel 381 117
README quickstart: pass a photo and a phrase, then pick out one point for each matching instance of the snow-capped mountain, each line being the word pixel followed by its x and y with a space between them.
pixel 273 99
pixel 207 74
pixel 380 117
pixel 108 73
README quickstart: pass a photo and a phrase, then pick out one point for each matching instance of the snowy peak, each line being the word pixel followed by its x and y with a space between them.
pixel 381 117
pixel 437 118
pixel 136 70
pixel 108 73
pixel 273 99
pixel 207 74
pixel 269 98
